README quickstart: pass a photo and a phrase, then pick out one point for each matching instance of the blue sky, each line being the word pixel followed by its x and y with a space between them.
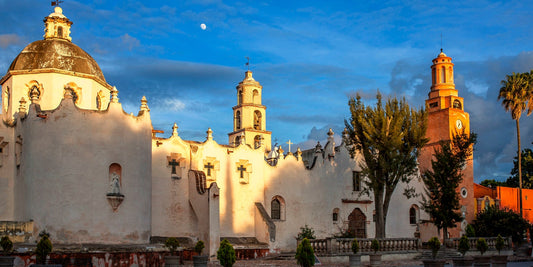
pixel 310 57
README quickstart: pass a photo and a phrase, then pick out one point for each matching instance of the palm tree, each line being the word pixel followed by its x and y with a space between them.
pixel 516 95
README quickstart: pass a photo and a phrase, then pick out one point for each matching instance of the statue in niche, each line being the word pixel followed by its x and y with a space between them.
pixel 114 185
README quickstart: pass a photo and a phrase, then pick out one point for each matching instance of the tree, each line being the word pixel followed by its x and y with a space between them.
pixel 527 170
pixel 493 183
pixel 305 256
pixel 441 200
pixel 226 254
pixel 515 94
pixel 493 222
pixel 44 247
pixel 389 138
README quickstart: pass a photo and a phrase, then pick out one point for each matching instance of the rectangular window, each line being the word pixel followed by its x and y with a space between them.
pixel 356 180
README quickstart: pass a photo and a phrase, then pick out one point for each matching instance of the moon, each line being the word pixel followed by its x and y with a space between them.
pixel 203 26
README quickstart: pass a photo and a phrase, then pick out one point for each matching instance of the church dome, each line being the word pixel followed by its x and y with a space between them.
pixel 56 53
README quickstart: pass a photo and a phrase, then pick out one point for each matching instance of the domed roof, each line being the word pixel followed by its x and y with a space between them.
pixel 56 53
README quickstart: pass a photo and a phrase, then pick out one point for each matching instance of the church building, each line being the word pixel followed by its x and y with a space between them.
pixel 73 163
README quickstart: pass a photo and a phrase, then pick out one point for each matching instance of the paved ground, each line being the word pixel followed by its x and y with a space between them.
pixel 524 262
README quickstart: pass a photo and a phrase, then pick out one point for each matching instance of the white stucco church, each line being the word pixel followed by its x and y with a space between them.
pixel 73 163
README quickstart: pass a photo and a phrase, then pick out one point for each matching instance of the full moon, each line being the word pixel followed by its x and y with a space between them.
pixel 203 26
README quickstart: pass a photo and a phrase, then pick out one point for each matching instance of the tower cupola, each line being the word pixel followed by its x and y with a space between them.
pixel 56 25
pixel 442 74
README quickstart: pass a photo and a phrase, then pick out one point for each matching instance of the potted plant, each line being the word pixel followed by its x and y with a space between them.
pixel 481 260
pixel 464 246
pixel 7 247
pixel 199 260
pixel 434 245
pixel 355 258
pixel 172 244
pixel 44 247
pixel 226 253
pixel 499 260
pixel 375 259
pixel 469 231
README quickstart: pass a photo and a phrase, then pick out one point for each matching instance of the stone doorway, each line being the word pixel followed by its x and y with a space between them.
pixel 357 223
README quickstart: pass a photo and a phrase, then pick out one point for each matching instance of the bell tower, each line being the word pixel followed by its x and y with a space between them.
pixel 249 116
pixel 446 116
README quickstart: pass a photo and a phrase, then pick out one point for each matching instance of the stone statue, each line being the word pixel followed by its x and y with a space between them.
pixel 114 185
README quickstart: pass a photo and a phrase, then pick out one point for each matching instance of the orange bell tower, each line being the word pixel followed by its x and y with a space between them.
pixel 446 116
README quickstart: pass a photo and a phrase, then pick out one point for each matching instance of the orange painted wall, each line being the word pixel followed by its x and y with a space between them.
pixel 509 199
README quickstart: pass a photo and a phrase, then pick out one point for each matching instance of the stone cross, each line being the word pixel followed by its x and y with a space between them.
pixel 174 163
pixel 290 143
pixel 242 169
pixel 208 166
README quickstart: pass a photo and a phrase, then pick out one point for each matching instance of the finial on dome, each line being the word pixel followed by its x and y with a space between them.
pixel 209 134
pixel 22 105
pixel 114 95
pixel 144 104
pixel 248 75
pixel 175 130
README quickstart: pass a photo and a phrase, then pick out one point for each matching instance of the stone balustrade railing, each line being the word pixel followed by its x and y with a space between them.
pixel 491 241
pixel 343 246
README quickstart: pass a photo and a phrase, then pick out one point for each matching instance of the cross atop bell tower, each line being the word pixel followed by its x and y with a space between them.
pixel 249 116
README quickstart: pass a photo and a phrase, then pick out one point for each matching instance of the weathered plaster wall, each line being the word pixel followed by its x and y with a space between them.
pixel 66 158
pixel 9 199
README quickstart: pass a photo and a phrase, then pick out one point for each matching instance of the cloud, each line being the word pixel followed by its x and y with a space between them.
pixel 9 39
pixel 129 41
pixel 173 104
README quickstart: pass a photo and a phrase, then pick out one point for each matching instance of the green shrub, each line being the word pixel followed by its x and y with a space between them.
pixel 305 256
pixel 500 243
pixel 306 232
pixel 464 245
pixel 482 245
pixel 172 244
pixel 434 245
pixel 355 246
pixel 469 231
pixel 44 247
pixel 226 254
pixel 199 247
pixel 6 244
pixel 493 222
pixel 375 245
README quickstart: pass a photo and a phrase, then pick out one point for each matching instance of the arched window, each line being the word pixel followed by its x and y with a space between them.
pixel 257 141
pixel 335 214
pixel 413 214
pixel 239 97
pixel 257 120
pixel 356 181
pixel 60 32
pixel 487 203
pixel 277 208
pixel 237 140
pixel 457 104
pixel 237 120
pixel 256 99
pixel 450 74
pixel 443 75
pixel 433 75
